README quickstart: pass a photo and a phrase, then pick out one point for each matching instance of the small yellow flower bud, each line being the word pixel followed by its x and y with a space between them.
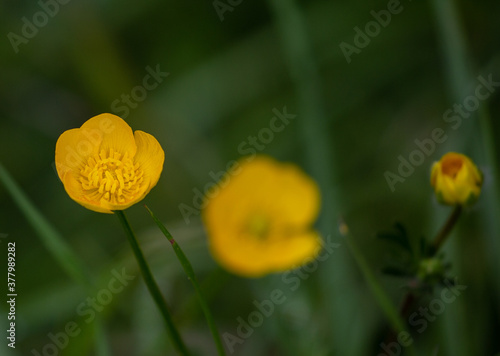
pixel 456 180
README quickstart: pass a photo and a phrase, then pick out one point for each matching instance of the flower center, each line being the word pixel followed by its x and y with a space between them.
pixel 452 166
pixel 111 177
pixel 259 226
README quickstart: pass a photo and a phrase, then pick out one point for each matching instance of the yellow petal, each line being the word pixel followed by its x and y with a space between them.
pixel 253 258
pixel 436 168
pixel 149 156
pixel 265 185
pixel 446 186
pixel 298 250
pixel 474 172
pixel 456 179
pixel 463 183
pixel 139 196
pixel 241 258
pixel 298 196
pixel 108 131
pixel 74 189
pixel 258 217
pixel 72 151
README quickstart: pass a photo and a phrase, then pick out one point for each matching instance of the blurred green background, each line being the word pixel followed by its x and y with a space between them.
pixel 228 69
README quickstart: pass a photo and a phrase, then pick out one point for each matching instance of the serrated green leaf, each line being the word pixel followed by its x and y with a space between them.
pixel 398 237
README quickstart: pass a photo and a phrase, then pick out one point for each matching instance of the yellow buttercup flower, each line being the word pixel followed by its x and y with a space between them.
pixel 456 179
pixel 259 220
pixel 104 166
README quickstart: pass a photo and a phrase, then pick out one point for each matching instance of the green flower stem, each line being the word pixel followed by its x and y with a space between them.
pixel 151 284
pixel 381 296
pixel 192 277
pixel 445 230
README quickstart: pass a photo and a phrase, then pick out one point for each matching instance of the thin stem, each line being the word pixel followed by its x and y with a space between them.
pixel 186 265
pixel 434 248
pixel 151 284
pixel 404 313
pixel 445 230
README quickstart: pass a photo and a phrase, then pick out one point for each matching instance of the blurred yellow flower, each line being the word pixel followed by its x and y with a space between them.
pixel 106 167
pixel 260 220
pixel 456 179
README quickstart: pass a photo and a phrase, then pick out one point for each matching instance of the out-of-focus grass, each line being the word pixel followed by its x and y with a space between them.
pixel 461 80
pixel 225 79
pixel 57 247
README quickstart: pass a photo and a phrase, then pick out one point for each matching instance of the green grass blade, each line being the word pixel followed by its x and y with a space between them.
pixel 188 269
pixel 50 238
pixel 481 142
pixel 56 246
pixel 318 154
pixel 153 288
pixel 381 296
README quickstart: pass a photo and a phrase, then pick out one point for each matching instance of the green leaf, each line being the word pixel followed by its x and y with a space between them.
pixel 188 269
pixel 398 237
pixel 379 293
